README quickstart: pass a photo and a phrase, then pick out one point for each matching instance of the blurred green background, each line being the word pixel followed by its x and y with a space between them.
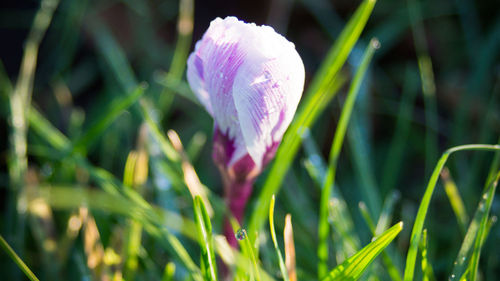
pixel 433 84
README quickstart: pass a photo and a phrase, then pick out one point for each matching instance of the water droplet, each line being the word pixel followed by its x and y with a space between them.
pixel 452 276
pixel 241 234
pixel 221 75
pixel 485 196
pixel 463 259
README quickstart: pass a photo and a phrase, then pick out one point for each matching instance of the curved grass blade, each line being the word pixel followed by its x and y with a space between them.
pixel 354 266
pixel 275 243
pixel 208 265
pixel 338 139
pixel 323 88
pixel 416 233
pixel 478 230
pixel 110 115
pixel 27 271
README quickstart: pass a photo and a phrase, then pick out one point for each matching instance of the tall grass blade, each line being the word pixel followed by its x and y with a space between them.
pixel 384 218
pixel 282 265
pixel 393 162
pixel 19 262
pixel 338 139
pixel 457 204
pixel 416 233
pixel 428 83
pixel 427 271
pixel 19 103
pixel 204 226
pixel 181 52
pixel 355 266
pixel 465 263
pixel 324 86
pixel 246 246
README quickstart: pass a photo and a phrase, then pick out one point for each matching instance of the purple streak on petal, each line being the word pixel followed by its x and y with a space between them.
pixel 197 82
pixel 198 63
pixel 223 148
pixel 221 68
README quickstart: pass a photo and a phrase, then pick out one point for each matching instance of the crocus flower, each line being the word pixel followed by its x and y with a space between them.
pixel 250 80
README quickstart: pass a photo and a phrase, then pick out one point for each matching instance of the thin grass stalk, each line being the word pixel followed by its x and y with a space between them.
pixel 322 89
pixel 428 83
pixel 19 262
pixel 416 233
pixel 338 139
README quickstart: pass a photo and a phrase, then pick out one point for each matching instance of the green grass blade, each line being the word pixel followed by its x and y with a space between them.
pixel 17 259
pixel 283 269
pixel 416 233
pixel 165 146
pixel 247 248
pixel 19 104
pixel 382 225
pixel 427 271
pixel 324 86
pixel 387 210
pixel 109 115
pixel 204 226
pixel 478 230
pixel 339 215
pixel 428 83
pixel 42 126
pixel 456 202
pixel 354 266
pixel 338 139
pixel 181 52
pixel 393 163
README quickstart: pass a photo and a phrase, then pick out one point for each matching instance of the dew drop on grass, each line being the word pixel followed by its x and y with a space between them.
pixel 241 234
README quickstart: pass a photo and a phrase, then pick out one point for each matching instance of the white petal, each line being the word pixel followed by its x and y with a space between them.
pixel 267 90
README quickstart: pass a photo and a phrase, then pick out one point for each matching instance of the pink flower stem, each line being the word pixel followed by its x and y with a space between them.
pixel 236 195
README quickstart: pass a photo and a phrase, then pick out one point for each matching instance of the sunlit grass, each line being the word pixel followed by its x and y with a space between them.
pixel 122 186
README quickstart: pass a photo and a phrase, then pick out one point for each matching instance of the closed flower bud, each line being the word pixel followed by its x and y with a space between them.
pixel 250 80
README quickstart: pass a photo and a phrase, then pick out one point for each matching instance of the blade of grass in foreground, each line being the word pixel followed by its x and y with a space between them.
pixel 17 259
pixel 416 233
pixel 322 89
pixel 381 226
pixel 338 139
pixel 354 266
pixel 474 235
pixel 208 265
pixel 275 243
